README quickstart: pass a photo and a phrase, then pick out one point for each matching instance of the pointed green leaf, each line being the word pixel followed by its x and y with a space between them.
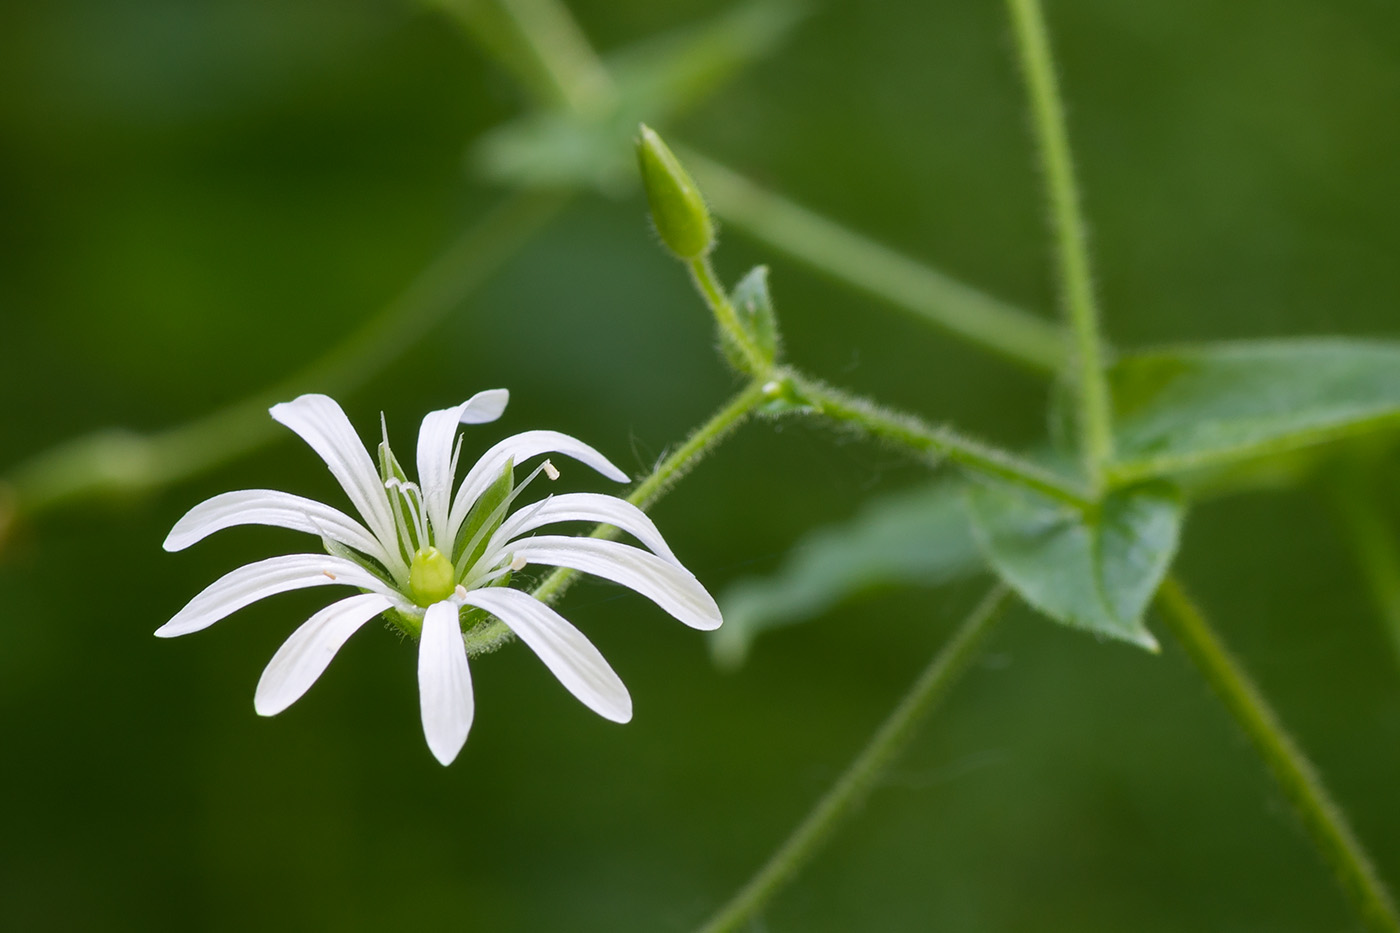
pixel 754 305
pixel 1096 573
pixel 1205 406
pixel 914 537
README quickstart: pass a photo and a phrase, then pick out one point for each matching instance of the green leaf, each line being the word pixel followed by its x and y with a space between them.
pixel 1204 406
pixel 1096 573
pixel 754 305
pixel 915 537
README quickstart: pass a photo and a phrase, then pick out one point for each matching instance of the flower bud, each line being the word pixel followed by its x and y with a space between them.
pixel 679 212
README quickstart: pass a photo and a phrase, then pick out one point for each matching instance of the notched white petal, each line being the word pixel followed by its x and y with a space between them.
pixel 583 507
pixel 435 450
pixel 565 650
pixel 319 421
pixel 248 584
pixel 270 507
pixel 485 406
pixel 519 448
pixel 444 683
pixel 304 657
pixel 669 585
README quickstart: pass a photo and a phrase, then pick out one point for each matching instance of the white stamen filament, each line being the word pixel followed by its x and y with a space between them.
pixel 494 519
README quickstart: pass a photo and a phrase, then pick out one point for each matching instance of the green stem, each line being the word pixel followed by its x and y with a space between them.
pixel 909 432
pixel 563 53
pixel 877 270
pixel 1321 816
pixel 1071 241
pixel 862 774
pixel 122 462
pixel 543 48
pixel 493 634
pixel 702 273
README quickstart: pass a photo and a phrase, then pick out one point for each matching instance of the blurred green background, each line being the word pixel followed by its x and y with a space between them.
pixel 198 198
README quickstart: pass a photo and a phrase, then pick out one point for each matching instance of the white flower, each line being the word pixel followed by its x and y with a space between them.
pixel 431 561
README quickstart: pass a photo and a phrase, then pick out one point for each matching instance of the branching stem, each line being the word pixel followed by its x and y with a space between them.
pixel 1071 240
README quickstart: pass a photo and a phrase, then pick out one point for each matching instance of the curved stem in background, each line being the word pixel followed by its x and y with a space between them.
pixel 877 270
pixel 861 775
pixel 493 634
pixel 1071 240
pixel 1296 776
pixel 117 461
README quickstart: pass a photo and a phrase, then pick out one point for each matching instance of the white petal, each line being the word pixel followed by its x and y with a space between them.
pixel 485 406
pixel 444 683
pixel 303 657
pixel 583 507
pixel 248 584
pixel 270 507
pixel 323 425
pixel 521 447
pixel 670 586
pixel 435 451
pixel 563 649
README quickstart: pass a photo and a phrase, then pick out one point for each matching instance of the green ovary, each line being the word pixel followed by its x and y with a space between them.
pixel 431 577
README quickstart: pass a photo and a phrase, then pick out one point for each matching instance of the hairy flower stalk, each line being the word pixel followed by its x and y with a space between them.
pixel 435 558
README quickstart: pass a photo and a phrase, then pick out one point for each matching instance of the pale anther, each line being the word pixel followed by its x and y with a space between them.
pixel 550 470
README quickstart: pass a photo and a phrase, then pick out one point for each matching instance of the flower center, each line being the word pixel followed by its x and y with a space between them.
pixel 431 577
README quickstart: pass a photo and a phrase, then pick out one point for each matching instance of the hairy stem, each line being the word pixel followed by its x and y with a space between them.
pixel 493 634
pixel 1296 776
pixel 913 434
pixel 1071 240
pixel 861 775
pixel 858 261
pixel 116 461
pixel 702 273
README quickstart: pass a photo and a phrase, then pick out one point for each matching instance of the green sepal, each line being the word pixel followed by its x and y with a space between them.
pixel 486 515
pixel 473 616
pixel 336 549
pixel 678 211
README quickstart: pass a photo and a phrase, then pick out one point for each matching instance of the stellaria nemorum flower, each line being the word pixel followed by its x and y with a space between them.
pixel 432 560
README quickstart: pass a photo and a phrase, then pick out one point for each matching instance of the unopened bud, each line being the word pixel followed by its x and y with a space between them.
pixel 679 212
